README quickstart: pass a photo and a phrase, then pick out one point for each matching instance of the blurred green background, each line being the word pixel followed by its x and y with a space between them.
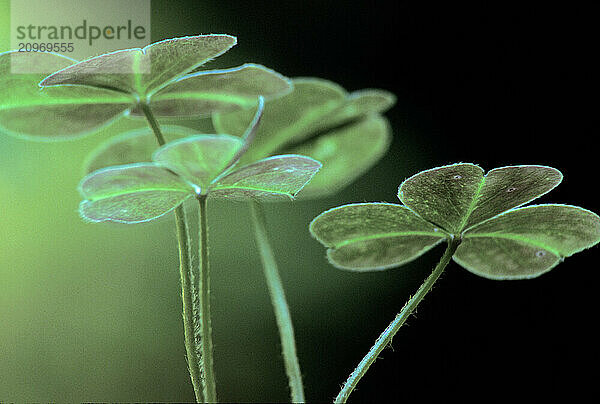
pixel 92 312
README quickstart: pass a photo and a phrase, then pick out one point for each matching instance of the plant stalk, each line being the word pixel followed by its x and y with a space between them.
pixel 188 276
pixel 189 297
pixel 282 312
pixel 386 336
pixel 206 345
pixel 153 123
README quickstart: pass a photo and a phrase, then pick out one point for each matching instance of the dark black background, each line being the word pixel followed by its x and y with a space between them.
pixel 490 83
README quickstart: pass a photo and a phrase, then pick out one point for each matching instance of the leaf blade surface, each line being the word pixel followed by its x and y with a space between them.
pixel 131 194
pixel 373 236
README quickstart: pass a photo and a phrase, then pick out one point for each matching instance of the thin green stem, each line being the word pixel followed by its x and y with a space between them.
pixel 282 312
pixel 153 123
pixel 386 336
pixel 188 294
pixel 206 345
pixel 188 276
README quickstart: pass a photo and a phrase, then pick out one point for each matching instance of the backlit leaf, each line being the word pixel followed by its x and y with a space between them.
pixel 131 194
pixel 143 71
pixel 345 153
pixel 27 110
pixel 134 146
pixel 526 242
pixel 313 107
pixel 371 236
pixel 199 159
pixel 268 179
pixel 206 92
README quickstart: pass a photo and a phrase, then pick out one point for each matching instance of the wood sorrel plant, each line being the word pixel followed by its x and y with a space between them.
pixel 478 216
pixel 201 167
pixel 317 118
pixel 82 97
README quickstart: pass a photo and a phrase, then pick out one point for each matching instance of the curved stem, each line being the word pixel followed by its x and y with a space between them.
pixel 206 345
pixel 188 274
pixel 282 312
pixel 386 336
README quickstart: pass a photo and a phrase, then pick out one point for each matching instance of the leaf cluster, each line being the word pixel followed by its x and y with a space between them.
pixel 500 239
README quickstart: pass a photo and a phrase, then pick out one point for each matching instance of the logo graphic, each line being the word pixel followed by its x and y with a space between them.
pixel 79 29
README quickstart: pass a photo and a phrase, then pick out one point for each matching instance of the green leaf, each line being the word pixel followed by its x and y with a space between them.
pixel 372 236
pixel 458 196
pixel 345 153
pixel 199 159
pixel 313 107
pixel 206 92
pixel 526 242
pixel 509 187
pixel 499 239
pixel 26 110
pixel 134 146
pixel 143 71
pixel 131 194
pixel 269 179
pixel 359 103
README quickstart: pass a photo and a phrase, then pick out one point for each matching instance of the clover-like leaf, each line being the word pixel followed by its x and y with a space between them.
pixel 131 194
pixel 198 166
pixel 156 75
pixel 460 195
pixel 200 159
pixel 143 71
pixel 526 242
pixel 62 112
pixel 205 92
pixel 346 153
pixel 135 146
pixel 267 179
pixel 313 106
pixel 82 97
pixel 319 109
pixel 369 236
pixel 499 239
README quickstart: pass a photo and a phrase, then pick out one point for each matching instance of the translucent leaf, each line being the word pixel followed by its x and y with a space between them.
pixel 134 146
pixel 27 110
pixel 360 103
pixel 345 153
pixel 131 194
pixel 200 159
pixel 371 236
pixel 526 242
pixel 268 179
pixel 459 195
pixel 142 71
pixel 311 108
pixel 206 92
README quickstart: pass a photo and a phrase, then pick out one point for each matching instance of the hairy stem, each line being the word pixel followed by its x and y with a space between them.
pixel 189 298
pixel 188 275
pixel 282 312
pixel 386 336
pixel 206 345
